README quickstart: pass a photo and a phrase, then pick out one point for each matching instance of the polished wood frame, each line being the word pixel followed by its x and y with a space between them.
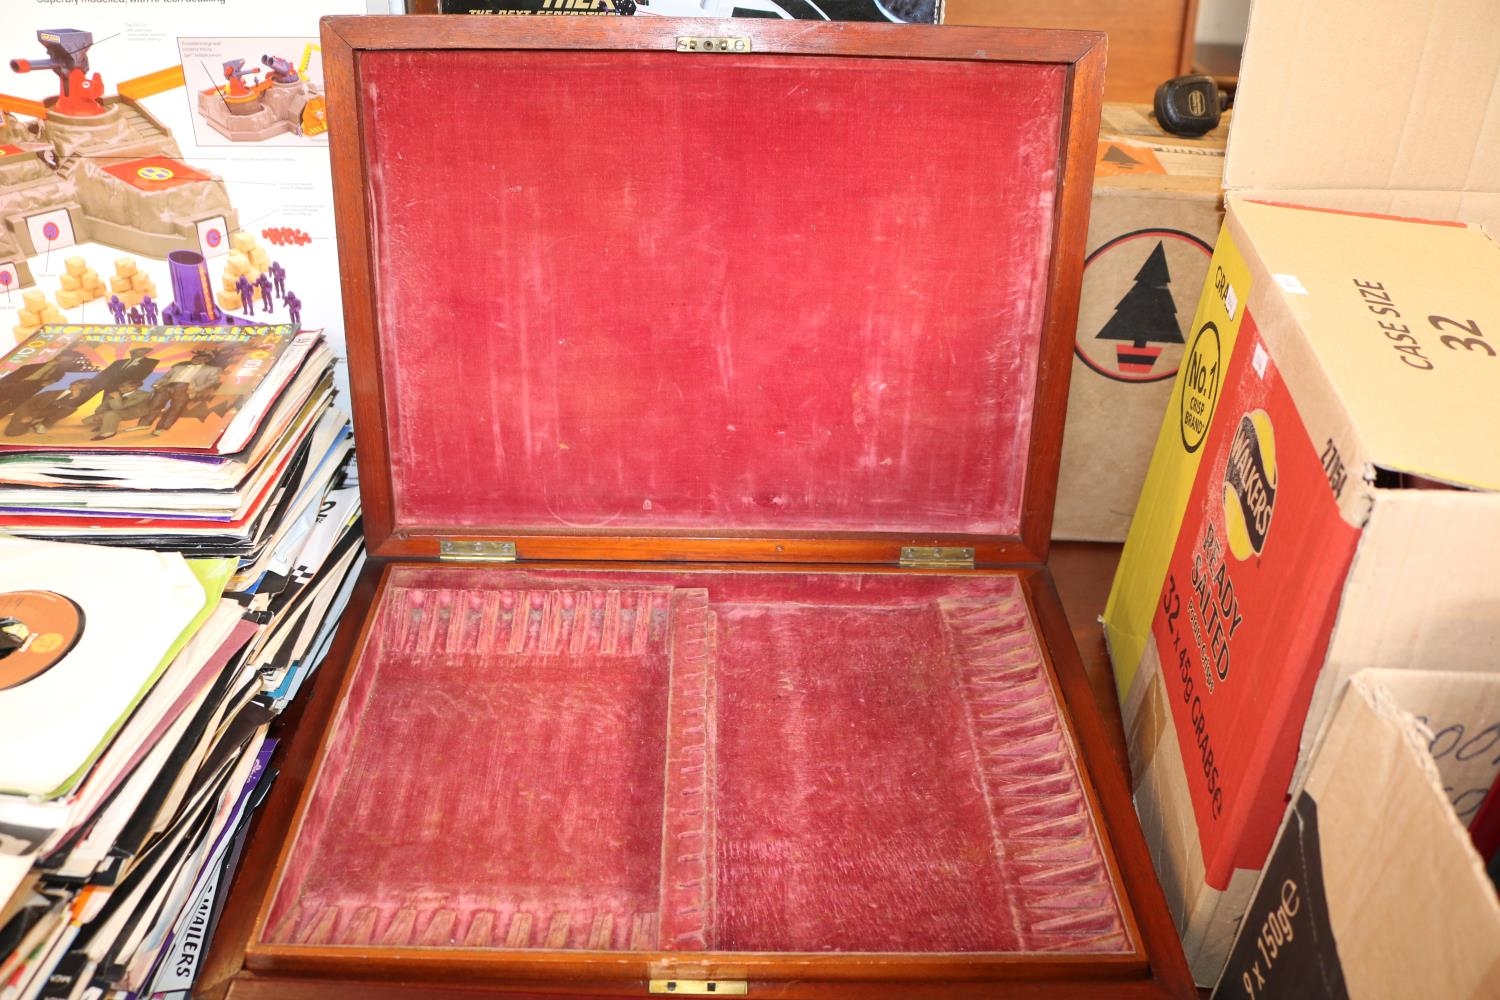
pixel 242 964
pixel 1081 53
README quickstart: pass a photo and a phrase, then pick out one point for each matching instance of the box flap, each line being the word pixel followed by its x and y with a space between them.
pixel 1346 95
pixel 1419 596
pixel 1374 888
pixel 1462 713
pixel 821 284
pixel 1403 318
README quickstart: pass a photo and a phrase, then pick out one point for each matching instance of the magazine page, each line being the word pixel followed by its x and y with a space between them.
pixel 166 162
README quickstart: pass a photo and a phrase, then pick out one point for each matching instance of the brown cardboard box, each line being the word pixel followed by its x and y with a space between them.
pixel 1156 209
pixel 1373 888
pixel 1340 358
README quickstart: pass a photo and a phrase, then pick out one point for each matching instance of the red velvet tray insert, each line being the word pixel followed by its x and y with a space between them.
pixel 738 761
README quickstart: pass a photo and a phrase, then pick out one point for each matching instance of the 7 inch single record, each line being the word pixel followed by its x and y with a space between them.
pixel 37 629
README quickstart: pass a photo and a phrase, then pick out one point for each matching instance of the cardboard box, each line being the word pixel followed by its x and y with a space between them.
pixel 1338 361
pixel 1373 888
pixel 1156 210
pixel 1461 714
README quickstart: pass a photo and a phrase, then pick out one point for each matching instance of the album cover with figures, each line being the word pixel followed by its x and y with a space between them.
pixel 144 388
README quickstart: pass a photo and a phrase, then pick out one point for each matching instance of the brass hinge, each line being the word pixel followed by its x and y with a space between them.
pixel 936 557
pixel 701 987
pixel 459 551
pixel 714 43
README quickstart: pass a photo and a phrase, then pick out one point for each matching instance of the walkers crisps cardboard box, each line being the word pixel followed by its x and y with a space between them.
pixel 1156 210
pixel 1373 888
pixel 1341 359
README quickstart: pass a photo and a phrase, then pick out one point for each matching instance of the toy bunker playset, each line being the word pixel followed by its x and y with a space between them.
pixel 249 106
pixel 83 166
pixel 709 442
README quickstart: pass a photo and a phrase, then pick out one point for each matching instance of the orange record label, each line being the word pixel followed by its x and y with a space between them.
pixel 37 629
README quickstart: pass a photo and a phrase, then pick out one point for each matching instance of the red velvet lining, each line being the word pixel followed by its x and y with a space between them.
pixel 654 291
pixel 851 814
pixel 692 760
pixel 556 703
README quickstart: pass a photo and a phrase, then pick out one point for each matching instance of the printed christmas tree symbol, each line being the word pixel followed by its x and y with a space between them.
pixel 1145 318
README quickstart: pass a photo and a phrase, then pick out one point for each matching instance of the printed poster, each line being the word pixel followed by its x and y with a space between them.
pixel 162 157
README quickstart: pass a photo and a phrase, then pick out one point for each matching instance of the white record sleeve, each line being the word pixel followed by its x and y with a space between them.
pixel 68 679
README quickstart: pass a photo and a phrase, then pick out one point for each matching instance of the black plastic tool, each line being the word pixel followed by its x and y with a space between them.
pixel 1190 105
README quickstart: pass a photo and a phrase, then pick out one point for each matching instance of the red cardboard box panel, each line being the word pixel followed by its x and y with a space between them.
pixel 1240 618
pixel 620 292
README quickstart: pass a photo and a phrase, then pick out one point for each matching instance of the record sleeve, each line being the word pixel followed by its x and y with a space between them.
pixel 85 629
pixel 145 388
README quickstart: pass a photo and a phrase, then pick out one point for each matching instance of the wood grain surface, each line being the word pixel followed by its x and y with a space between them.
pixel 1150 41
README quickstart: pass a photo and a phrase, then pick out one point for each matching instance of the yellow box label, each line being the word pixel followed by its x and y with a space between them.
pixel 1174 463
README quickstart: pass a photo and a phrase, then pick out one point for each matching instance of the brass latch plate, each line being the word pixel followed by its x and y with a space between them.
pixel 937 557
pixel 463 551
pixel 701 987
pixel 713 43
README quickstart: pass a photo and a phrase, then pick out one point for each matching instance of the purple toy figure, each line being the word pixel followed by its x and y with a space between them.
pixel 264 284
pixel 149 310
pixel 294 306
pixel 247 295
pixel 117 309
pixel 136 316
pixel 278 279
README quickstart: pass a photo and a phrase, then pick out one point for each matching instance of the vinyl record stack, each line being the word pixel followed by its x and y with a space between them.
pixel 179 532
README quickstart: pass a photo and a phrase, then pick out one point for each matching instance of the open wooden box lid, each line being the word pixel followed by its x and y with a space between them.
pixel 616 290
